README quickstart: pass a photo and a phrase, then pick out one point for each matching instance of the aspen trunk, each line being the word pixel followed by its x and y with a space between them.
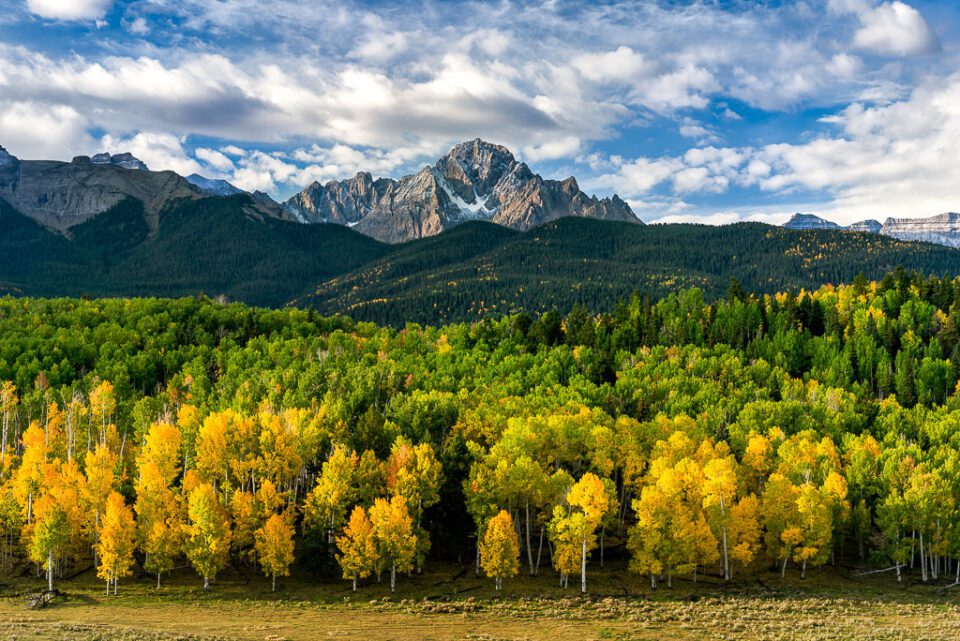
pixel 583 567
pixel 50 571
pixel 529 549
pixel 393 576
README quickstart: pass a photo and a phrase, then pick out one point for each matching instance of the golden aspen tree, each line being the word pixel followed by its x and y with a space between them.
pixel 213 460
pixel 274 546
pixel 780 518
pixel 158 506
pixel 744 531
pixel 500 549
pixel 49 534
pixel 103 403
pixel 117 540
pixel 357 547
pixel 29 475
pixel 101 478
pixel 280 459
pixel 246 521
pixel 413 472
pixel 719 492
pixel 207 533
pixel 394 535
pixel 326 505
pixel 8 405
pixel 587 503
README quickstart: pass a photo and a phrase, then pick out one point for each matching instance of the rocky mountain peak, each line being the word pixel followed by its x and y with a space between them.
pixel 125 160
pixel 475 180
pixel 7 159
pixel 809 221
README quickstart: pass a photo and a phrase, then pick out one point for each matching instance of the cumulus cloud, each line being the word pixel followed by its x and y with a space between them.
pixel 894 28
pixel 34 130
pixel 70 9
pixel 159 151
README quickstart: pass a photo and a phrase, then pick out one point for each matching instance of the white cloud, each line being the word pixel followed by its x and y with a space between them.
pixel 894 28
pixel 34 130
pixel 622 65
pixel 214 159
pixel 160 151
pixel 70 9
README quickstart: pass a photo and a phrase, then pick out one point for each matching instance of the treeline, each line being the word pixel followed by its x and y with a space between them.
pixel 694 437
pixel 478 270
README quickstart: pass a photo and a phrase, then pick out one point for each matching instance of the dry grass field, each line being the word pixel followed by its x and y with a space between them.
pixel 450 604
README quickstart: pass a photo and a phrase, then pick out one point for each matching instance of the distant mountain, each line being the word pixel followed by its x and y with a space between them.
pixel 125 160
pixel 943 229
pixel 212 187
pixel 61 195
pixel 476 180
pixel 869 226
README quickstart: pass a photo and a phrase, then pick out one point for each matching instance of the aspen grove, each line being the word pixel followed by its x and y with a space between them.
pixel 688 437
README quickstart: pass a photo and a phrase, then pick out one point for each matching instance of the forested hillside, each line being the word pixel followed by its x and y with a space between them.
pixel 478 270
pixel 224 247
pixel 214 246
pixel 795 431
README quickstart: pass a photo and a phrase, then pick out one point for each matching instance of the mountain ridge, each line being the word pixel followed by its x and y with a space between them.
pixel 940 229
pixel 475 180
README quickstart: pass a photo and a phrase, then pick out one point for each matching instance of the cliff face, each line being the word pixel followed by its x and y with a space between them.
pixel 59 195
pixel 476 180
pixel 943 229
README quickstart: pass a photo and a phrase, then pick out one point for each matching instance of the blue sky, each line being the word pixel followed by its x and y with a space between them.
pixel 711 111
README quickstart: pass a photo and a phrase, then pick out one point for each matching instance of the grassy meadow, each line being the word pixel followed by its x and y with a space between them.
pixel 450 603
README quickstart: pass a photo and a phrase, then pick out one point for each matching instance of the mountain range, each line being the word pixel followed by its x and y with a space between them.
pixel 476 180
pixel 942 229
pixel 491 238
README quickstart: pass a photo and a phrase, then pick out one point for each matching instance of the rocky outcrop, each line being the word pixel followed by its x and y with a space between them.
pixel 943 229
pixel 60 195
pixel 125 160
pixel 476 180
pixel 869 226
pixel 809 221
pixel 212 186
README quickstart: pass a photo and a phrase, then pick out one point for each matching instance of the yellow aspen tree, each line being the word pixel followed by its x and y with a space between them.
pixel 280 459
pixel 29 476
pixel 213 460
pixel 117 539
pixel 207 533
pixel 49 534
pixel 744 530
pixel 500 549
pixel 394 535
pixel 158 506
pixel 326 505
pixel 358 547
pixel 246 521
pixel 8 405
pixel 100 468
pixel 719 492
pixel 103 403
pixel 780 518
pixel 274 546
pixel 413 472
pixel 587 503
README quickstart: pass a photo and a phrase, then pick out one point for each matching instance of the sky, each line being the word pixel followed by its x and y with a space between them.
pixel 707 111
